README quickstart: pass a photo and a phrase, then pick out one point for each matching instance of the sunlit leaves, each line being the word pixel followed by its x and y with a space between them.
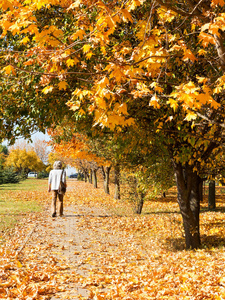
pixel 47 89
pixel 9 70
pixel 23 160
pixel 62 85
pixel 190 116
pixel 107 45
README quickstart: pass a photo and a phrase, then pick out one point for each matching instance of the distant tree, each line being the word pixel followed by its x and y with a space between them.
pixel 3 152
pixel 24 161
pixel 7 174
pixel 41 149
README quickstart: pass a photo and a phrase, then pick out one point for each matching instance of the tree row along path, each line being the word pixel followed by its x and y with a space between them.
pixel 94 253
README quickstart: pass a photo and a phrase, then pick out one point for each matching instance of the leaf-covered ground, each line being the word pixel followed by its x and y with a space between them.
pixel 100 250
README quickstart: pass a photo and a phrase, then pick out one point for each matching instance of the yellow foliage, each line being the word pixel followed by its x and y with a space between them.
pixel 23 160
pixel 9 70
pixel 71 62
pixel 165 14
pixel 154 102
pixel 47 89
pixel 190 116
pixel 86 48
pixel 79 34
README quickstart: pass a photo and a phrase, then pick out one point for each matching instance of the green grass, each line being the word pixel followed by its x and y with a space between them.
pixel 16 200
pixel 30 184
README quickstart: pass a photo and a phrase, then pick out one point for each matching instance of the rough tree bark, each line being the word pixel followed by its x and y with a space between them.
pixel 91 177
pixel 95 181
pixel 117 182
pixel 140 204
pixel 86 176
pixel 105 174
pixel 212 195
pixel 189 196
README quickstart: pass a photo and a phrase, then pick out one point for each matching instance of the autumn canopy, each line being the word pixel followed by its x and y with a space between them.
pixel 133 68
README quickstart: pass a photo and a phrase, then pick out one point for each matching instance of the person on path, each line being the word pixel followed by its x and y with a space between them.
pixel 53 185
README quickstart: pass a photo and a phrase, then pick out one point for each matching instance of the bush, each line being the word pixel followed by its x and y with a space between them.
pixel 80 177
pixel 42 174
pixel 8 175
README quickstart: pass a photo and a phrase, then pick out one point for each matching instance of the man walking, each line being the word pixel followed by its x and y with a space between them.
pixel 55 176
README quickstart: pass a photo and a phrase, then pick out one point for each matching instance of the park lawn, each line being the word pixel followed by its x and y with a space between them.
pixel 17 200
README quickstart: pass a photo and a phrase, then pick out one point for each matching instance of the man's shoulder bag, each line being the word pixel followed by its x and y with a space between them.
pixel 62 186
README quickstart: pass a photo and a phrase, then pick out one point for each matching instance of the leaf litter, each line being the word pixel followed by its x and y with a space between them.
pixel 95 253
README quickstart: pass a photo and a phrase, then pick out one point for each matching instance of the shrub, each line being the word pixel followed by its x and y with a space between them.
pixel 42 174
pixel 8 175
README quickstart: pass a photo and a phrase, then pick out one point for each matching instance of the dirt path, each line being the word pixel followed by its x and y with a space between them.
pixel 76 246
pixel 76 243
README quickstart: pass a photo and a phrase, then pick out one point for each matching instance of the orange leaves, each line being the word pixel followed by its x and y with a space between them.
pixel 126 16
pixel 141 90
pixel 100 48
pixel 63 85
pixel 150 263
pixel 113 253
pixel 173 104
pixel 213 29
pixel 206 39
pixel 71 62
pixel 165 14
pixel 5 4
pixel 193 97
pixel 188 55
pixel 103 82
pixel 86 48
pixel 9 70
pixel 218 2
pixel 190 116
pixel 154 102
pixel 79 34
pixel 25 40
pixel 50 36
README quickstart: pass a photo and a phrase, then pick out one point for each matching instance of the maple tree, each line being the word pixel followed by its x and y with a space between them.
pixel 157 67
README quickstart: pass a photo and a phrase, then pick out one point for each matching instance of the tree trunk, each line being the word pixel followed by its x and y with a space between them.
pixel 140 204
pixel 105 174
pixel 117 182
pixel 95 178
pixel 86 176
pixel 212 195
pixel 188 186
pixel 201 190
pixel 91 177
